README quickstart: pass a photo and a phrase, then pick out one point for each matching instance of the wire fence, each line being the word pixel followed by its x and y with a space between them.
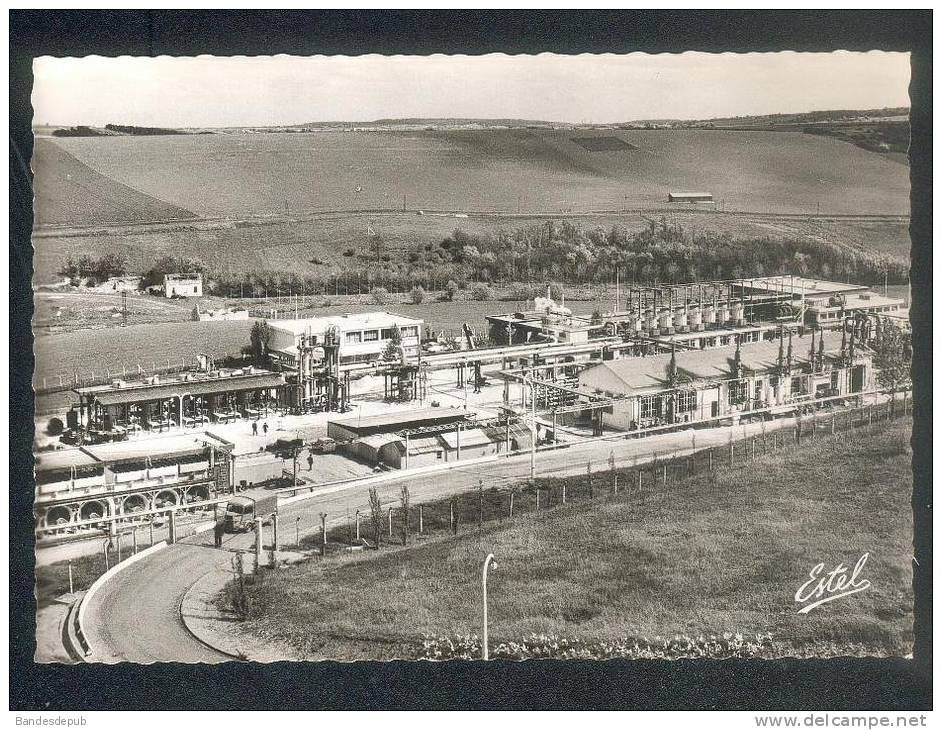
pixel 498 498
pixel 82 379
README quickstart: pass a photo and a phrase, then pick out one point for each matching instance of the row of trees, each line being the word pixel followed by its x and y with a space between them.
pixel 561 251
pixel 94 270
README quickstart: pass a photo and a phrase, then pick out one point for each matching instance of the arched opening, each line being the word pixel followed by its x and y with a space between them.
pixel 59 515
pixel 198 493
pixel 93 510
pixel 134 503
pixel 166 498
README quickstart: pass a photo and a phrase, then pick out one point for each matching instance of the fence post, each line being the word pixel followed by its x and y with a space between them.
pixel 564 492
pixel 358 526
pixel 451 517
pixel 833 419
pixel 390 521
pixel 730 449
pixel 512 503
pixel 753 445
pixel 711 459
pixel 324 531
pixel 870 415
pixel 588 469
pixel 640 472
pixel 481 503
pixel 421 524
pixel 614 483
pixel 537 499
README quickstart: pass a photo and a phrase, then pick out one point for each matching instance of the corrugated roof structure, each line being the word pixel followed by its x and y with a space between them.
pixel 651 373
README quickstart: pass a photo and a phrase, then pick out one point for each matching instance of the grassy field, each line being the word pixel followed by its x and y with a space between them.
pixel 698 558
pixel 315 245
pixel 100 350
pixel 494 170
pixel 70 191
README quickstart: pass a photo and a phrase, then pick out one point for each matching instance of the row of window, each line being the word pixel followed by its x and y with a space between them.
pixel 353 338
pixel 653 406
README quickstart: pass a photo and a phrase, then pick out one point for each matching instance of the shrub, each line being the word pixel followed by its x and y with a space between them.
pixel 379 294
pixel 417 295
pixel 481 292
pixel 451 289
pixel 55 427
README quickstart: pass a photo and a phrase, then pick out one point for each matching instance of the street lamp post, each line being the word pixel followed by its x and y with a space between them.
pixel 488 562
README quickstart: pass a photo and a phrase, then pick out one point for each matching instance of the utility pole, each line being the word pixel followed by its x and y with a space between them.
pixel 533 439
pixel 488 562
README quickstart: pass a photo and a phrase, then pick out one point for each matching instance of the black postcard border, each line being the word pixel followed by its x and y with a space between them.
pixel 837 684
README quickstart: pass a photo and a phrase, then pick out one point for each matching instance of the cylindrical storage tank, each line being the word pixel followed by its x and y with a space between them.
pixel 709 315
pixel 665 322
pixel 737 314
pixel 695 320
pixel 680 320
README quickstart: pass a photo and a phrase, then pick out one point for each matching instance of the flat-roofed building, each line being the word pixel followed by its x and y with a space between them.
pixel 689 197
pixel 183 285
pixel 832 310
pixel 346 429
pixel 84 483
pixel 362 337
pixel 163 401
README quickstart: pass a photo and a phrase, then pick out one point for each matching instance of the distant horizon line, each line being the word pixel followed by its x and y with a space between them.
pixel 469 120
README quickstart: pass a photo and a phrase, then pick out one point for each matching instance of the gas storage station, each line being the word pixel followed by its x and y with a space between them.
pixel 386 396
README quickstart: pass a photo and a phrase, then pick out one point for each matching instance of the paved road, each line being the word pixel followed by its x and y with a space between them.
pixel 136 615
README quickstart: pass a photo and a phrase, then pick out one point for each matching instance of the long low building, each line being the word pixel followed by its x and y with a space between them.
pixel 354 427
pixel 467 440
pixel 692 386
pixel 188 399
pixel 88 482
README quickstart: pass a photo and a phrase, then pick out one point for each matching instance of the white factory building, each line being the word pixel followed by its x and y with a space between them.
pixel 362 337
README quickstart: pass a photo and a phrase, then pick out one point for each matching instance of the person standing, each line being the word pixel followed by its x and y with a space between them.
pixel 265 428
pixel 310 462
pixel 219 529
pixel 255 428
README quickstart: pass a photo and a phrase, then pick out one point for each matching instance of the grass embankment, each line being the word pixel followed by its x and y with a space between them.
pixel 53 580
pixel 703 556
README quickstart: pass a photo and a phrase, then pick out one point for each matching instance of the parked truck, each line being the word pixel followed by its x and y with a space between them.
pixel 241 512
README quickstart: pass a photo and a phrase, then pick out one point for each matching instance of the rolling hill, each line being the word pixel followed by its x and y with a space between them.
pixel 533 170
pixel 69 192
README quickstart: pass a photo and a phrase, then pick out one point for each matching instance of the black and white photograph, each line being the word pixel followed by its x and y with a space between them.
pixel 494 357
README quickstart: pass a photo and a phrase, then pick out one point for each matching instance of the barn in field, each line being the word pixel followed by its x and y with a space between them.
pixel 685 197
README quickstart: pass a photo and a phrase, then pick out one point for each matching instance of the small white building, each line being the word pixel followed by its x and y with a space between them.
pixel 363 337
pixel 183 285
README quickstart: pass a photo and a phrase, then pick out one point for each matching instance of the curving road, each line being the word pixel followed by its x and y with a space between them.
pixel 136 615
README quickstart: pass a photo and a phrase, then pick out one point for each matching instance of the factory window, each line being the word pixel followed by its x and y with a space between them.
pixel 737 391
pixel 410 331
pixel 352 337
pixel 386 334
pixel 650 406
pixel 371 335
pixel 758 390
pixel 796 386
pixel 686 400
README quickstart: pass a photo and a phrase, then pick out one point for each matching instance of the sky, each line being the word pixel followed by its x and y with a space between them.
pixel 208 91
